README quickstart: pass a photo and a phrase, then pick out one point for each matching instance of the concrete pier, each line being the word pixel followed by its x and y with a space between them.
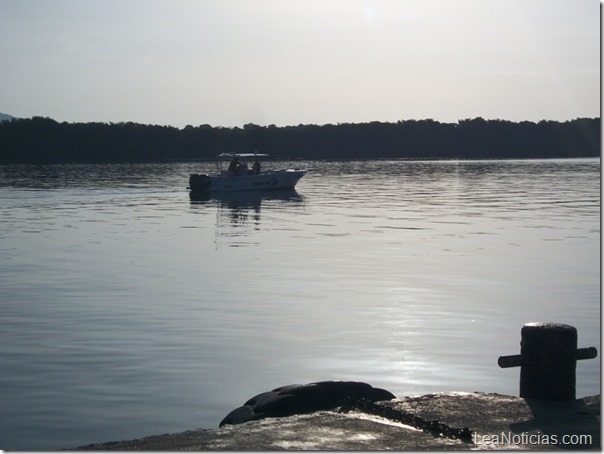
pixel 494 421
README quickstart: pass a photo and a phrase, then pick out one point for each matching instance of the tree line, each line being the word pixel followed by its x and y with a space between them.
pixel 41 139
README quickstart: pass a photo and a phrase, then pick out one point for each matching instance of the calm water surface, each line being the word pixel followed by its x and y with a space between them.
pixel 129 310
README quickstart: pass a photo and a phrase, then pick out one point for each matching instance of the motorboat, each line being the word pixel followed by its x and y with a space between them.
pixel 240 176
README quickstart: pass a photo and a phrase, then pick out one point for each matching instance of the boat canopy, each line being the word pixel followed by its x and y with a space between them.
pixel 242 155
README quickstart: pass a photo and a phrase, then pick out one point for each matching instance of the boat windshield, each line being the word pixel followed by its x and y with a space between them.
pixel 245 157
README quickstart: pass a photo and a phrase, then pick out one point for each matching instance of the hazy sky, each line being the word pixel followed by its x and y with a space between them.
pixel 286 62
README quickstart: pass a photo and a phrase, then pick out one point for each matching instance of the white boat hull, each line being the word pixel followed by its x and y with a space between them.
pixel 276 179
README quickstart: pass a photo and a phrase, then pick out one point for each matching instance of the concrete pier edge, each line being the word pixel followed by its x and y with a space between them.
pixel 494 421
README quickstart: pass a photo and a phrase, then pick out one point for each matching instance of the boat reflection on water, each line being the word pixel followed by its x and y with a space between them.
pixel 238 214
pixel 246 198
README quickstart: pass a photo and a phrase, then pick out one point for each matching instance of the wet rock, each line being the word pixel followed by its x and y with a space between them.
pixel 303 399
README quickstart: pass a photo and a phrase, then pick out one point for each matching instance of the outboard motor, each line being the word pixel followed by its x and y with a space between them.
pixel 199 182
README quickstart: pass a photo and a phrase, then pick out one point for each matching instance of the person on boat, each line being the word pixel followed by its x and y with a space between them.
pixel 256 167
pixel 234 166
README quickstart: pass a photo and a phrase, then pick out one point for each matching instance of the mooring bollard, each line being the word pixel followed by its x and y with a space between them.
pixel 548 361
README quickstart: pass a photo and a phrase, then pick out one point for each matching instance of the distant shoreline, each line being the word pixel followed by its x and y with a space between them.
pixel 38 139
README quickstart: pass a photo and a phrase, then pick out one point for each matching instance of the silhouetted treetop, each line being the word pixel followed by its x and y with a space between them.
pixel 40 139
